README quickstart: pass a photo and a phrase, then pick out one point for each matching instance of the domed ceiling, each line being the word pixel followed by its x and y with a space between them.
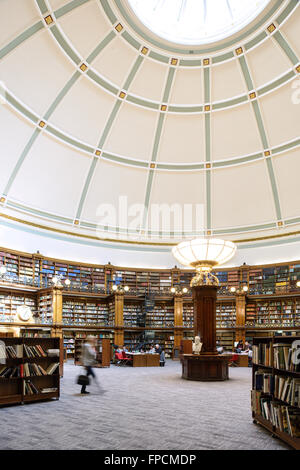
pixel 104 122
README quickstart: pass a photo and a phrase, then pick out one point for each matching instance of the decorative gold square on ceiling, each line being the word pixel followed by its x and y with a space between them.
pixel 271 28
pixel 208 165
pixel 76 222
pixel 207 107
pixel 42 124
pixel 239 51
pixel 48 19
pixel 174 61
pixel 144 50
pixel 267 153
pixel 122 95
pixel 280 224
pixel 252 95
pixel 98 153
pixel 2 200
pixel 298 68
pixel 152 165
pixel 83 67
pixel 163 107
pixel 119 27
pixel 208 232
pixel 206 61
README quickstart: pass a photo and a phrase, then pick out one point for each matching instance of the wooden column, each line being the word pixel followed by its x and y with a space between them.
pixel 204 298
pixel 56 330
pixel 240 332
pixel 119 321
pixel 208 365
pixel 178 321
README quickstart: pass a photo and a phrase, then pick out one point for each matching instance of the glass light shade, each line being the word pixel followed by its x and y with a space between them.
pixel 114 287
pixel 196 21
pixel 2 270
pixel 55 280
pixel 126 288
pixel 207 252
pixel 67 282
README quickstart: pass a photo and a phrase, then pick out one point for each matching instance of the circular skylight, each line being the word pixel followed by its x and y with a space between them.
pixel 196 21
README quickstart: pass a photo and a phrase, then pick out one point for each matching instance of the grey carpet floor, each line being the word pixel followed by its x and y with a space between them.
pixel 140 408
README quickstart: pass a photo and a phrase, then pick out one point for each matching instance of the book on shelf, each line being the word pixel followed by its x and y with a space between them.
pixel 52 368
pixel 283 417
pixel 10 372
pixel 29 388
pixel 287 389
pixel 14 351
pixel 262 354
pixel 285 355
pixel 34 351
pixel 264 381
pixel 33 370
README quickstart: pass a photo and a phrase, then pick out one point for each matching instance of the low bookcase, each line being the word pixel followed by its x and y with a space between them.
pixel 29 370
pixel 275 395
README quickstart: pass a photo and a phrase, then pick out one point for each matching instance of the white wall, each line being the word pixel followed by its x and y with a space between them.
pixel 16 236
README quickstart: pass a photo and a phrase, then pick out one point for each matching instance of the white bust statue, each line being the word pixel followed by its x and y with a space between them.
pixel 197 345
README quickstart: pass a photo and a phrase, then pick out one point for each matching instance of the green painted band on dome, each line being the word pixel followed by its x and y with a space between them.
pixel 20 161
pixel 276 83
pixel 69 7
pixel 275 150
pixel 286 48
pixel 42 6
pixel 21 38
pixel 70 140
pixel 65 45
pixel 229 103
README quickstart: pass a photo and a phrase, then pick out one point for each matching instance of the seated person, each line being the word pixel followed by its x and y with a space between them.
pixel 162 359
pixel 157 349
pixel 125 349
pixel 239 347
pixel 152 350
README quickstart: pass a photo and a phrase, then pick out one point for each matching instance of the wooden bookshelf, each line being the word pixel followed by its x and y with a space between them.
pixel 226 339
pixel 226 314
pixel 25 385
pixel 273 403
pixel 11 300
pixel 273 312
pixel 84 311
pixel 188 314
pixel 103 349
pixel 162 314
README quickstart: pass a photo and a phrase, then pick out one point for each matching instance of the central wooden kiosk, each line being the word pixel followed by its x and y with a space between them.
pixel 208 365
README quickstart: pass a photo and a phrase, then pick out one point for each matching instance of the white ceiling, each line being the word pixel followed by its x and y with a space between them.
pixel 239 158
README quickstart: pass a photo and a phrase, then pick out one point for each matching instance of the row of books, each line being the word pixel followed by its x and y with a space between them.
pixel 37 369
pixel 26 370
pixel 262 354
pixel 34 351
pixel 14 352
pixel 30 388
pixel 9 372
pixel 283 388
pixel 287 356
pixel 283 417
